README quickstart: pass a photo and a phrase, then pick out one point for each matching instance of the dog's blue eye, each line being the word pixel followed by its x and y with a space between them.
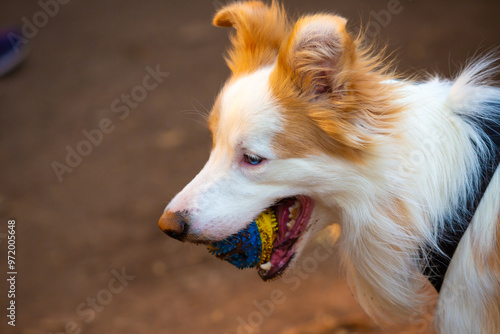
pixel 252 159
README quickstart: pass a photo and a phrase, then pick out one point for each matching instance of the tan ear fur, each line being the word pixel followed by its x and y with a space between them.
pixel 316 52
pixel 331 85
pixel 232 14
pixel 260 30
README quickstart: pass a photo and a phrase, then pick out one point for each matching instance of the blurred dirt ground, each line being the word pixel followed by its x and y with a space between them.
pixel 77 236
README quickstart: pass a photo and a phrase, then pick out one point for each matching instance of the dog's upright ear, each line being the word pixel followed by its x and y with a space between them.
pixel 260 30
pixel 317 55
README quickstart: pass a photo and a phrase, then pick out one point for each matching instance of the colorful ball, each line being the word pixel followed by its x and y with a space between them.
pixel 251 246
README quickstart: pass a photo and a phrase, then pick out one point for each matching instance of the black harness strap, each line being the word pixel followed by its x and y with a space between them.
pixel 450 235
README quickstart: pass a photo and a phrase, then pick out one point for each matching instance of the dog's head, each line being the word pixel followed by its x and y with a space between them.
pixel 288 129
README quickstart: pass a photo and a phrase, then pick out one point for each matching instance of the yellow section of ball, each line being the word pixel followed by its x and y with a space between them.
pixel 268 228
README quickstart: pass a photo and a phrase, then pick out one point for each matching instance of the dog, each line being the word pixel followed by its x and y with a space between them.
pixel 312 117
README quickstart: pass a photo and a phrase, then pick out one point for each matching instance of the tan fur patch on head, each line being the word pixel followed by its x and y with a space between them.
pixel 260 29
pixel 213 120
pixel 332 91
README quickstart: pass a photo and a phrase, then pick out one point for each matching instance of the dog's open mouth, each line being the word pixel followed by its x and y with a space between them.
pixel 292 215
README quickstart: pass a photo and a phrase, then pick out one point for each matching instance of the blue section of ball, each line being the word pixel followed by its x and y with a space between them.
pixel 242 249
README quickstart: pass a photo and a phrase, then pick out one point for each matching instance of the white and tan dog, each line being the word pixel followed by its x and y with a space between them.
pixel 311 118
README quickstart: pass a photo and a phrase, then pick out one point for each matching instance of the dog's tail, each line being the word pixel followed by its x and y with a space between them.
pixel 475 92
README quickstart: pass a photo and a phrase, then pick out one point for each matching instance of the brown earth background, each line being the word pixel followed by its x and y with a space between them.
pixel 102 218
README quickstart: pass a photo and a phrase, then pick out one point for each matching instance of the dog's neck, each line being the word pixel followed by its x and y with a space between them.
pixel 431 179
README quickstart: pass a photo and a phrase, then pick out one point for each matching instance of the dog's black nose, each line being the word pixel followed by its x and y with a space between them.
pixel 174 224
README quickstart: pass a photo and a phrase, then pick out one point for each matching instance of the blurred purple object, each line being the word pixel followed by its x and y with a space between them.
pixel 12 49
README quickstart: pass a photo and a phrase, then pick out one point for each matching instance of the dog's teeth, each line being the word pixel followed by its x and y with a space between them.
pixel 266 266
pixel 294 210
pixel 290 224
pixel 293 214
